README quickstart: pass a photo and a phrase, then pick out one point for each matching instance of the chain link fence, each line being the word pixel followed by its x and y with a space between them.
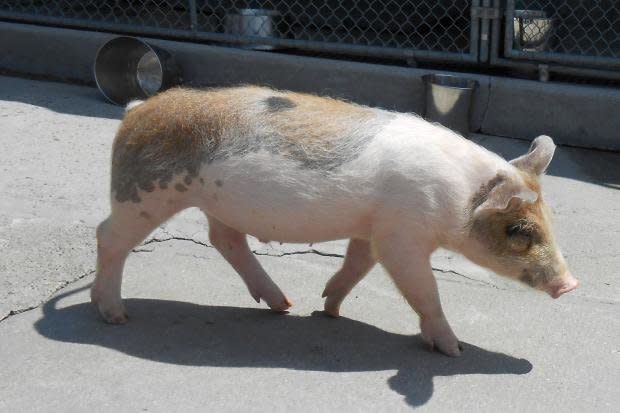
pixel 439 29
pixel 104 13
pixel 580 33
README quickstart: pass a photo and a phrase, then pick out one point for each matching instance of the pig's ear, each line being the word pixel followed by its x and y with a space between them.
pixel 537 159
pixel 506 195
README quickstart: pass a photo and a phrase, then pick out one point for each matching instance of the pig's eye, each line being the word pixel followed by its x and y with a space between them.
pixel 519 237
pixel 514 230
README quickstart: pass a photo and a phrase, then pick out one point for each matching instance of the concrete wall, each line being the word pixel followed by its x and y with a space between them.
pixel 577 115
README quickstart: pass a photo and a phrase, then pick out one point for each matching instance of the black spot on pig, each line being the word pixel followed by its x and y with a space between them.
pixel 219 183
pixel 180 187
pixel 145 215
pixel 278 103
pixel 187 180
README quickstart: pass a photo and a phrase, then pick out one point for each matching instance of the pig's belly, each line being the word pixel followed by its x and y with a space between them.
pixel 273 207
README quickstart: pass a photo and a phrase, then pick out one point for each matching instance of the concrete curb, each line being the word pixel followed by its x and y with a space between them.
pixel 577 115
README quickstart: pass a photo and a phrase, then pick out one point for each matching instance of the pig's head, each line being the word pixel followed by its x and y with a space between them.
pixel 510 225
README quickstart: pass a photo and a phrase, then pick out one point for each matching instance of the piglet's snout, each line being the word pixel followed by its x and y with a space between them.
pixel 566 284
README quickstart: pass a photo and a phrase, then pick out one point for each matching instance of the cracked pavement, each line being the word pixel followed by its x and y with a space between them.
pixel 196 340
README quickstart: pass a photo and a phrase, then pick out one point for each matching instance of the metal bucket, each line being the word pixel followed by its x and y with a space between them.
pixel 532 30
pixel 448 101
pixel 127 68
pixel 254 22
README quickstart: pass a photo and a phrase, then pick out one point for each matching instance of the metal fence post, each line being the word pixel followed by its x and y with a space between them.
pixel 474 37
pixel 193 16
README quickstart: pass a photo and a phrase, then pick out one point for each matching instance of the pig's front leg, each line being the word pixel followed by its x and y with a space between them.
pixel 357 262
pixel 234 248
pixel 411 271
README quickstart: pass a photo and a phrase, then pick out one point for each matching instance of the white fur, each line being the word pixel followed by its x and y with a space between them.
pixel 413 171
pixel 133 104
pixel 398 195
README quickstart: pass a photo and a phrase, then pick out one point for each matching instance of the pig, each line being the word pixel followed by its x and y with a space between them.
pixel 299 168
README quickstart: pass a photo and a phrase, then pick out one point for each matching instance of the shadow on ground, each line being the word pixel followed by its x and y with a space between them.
pixel 189 334
pixel 586 165
pixel 59 97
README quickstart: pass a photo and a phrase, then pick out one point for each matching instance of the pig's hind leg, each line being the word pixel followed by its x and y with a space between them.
pixel 128 225
pixel 234 248
pixel 357 262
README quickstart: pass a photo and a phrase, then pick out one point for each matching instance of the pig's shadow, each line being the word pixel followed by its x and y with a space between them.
pixel 189 334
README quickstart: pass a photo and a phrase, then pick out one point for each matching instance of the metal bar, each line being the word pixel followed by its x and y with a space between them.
pixel 595 61
pixel 484 35
pixel 338 48
pixel 341 48
pixel 509 31
pixel 495 33
pixel 474 33
pixel 565 70
pixel 193 16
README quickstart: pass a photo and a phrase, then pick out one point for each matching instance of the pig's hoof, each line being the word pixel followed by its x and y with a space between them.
pixel 282 306
pixel 332 306
pixel 112 311
pixel 112 314
pixel 447 350
pixel 439 336
pixel 112 318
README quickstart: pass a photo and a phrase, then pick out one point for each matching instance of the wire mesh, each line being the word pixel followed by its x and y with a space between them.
pixel 570 27
pixel 173 14
pixel 441 25
pixel 576 32
pixel 429 25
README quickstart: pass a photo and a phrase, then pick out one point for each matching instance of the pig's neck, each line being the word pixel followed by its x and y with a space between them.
pixel 475 170
pixel 449 169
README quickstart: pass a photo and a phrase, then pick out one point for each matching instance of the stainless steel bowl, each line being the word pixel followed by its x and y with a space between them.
pixel 254 23
pixel 449 101
pixel 128 68
pixel 532 30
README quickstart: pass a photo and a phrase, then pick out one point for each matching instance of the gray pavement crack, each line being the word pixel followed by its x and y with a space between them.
pixel 255 252
pixel 302 252
pixel 61 286
pixel 171 238
pixel 310 251
pixel 468 278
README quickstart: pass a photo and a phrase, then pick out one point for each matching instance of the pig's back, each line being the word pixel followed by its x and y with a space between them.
pixel 278 165
pixel 183 128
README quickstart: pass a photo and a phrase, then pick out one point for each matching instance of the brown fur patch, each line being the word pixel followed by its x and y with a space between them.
pixel 175 132
pixel 520 239
pixel 314 119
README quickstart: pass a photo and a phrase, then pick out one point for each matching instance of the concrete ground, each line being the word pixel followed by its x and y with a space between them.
pixel 197 341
